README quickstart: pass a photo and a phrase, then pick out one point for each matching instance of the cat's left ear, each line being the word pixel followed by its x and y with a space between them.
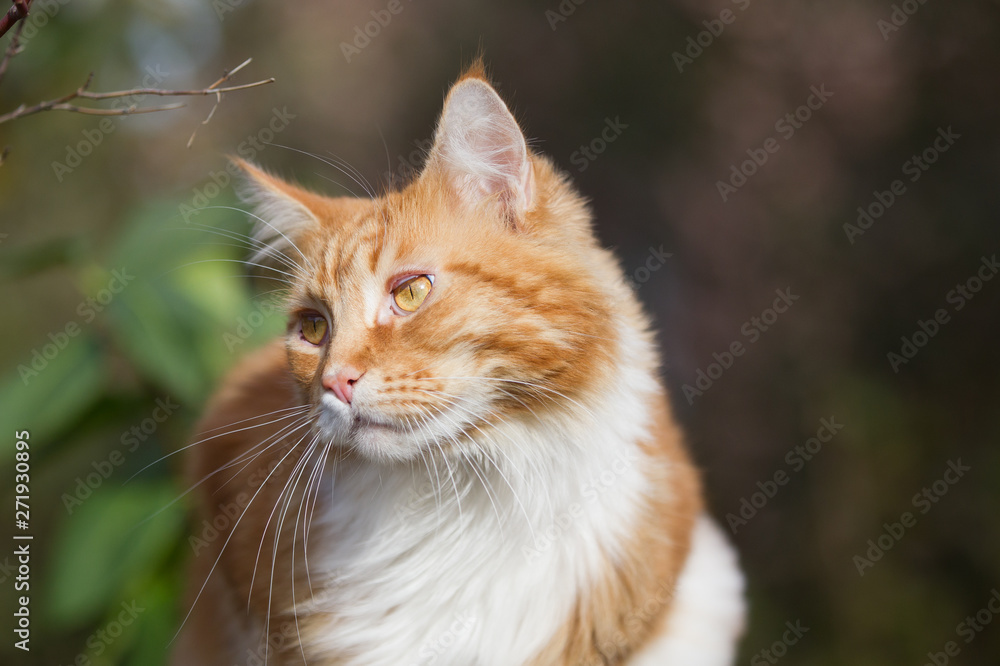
pixel 480 151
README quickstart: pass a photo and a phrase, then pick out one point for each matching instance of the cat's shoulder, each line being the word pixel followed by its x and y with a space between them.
pixel 259 384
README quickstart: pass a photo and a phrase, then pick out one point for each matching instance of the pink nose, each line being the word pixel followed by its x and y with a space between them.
pixel 342 382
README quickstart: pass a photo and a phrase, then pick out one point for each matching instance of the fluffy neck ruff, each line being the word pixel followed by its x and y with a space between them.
pixel 496 558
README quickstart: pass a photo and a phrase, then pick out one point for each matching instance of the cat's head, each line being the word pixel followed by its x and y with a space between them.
pixel 473 300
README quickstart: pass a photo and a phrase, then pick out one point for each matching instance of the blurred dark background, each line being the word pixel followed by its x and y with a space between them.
pixel 119 380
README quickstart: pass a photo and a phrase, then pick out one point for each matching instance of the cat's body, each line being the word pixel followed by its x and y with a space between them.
pixel 490 478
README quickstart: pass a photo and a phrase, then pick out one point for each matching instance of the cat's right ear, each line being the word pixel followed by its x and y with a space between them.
pixel 283 212
pixel 480 152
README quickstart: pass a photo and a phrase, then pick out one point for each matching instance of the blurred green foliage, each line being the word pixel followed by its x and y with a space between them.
pixel 169 334
pixel 111 539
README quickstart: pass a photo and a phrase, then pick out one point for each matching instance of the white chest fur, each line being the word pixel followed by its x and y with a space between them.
pixel 473 563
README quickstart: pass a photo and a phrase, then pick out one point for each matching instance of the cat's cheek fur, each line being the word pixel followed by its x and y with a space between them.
pixel 303 365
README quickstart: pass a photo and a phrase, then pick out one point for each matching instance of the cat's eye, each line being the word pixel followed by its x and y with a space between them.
pixel 410 294
pixel 313 327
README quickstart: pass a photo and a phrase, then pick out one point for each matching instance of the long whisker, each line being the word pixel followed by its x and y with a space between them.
pixel 237 261
pixel 423 426
pixel 249 456
pixel 226 543
pixel 513 441
pixel 270 517
pixel 522 383
pixel 276 229
pixel 316 476
pixel 295 425
pixel 487 487
pixel 363 185
pixel 502 475
pixel 246 241
pixel 274 556
pixel 300 408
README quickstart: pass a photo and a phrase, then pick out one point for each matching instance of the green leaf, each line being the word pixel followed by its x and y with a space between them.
pixel 154 336
pixel 107 543
pixel 157 624
pixel 46 395
pixel 187 293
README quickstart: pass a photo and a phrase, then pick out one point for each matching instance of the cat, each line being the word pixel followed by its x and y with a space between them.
pixel 460 452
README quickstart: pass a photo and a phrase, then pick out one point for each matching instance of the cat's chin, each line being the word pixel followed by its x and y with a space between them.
pixel 379 443
pixel 376 439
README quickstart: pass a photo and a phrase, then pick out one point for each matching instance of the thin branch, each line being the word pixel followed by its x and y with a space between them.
pixel 228 75
pixel 218 96
pixel 173 93
pixel 60 104
pixel 13 48
pixel 18 11
pixel 128 111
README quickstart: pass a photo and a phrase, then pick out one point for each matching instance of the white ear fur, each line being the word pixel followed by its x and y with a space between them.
pixel 481 150
pixel 279 216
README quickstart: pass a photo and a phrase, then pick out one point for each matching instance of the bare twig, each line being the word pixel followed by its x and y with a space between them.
pixel 61 103
pixel 173 93
pixel 218 95
pixel 13 48
pixel 18 11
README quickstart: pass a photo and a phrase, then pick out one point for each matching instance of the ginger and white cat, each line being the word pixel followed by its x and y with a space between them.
pixel 460 453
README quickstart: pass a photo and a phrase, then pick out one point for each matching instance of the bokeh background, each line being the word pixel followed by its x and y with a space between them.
pixel 568 70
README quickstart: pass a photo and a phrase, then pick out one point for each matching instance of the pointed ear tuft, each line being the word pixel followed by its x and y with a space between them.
pixel 283 212
pixel 475 70
pixel 479 149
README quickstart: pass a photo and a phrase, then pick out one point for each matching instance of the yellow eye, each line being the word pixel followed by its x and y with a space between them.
pixel 411 293
pixel 313 327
